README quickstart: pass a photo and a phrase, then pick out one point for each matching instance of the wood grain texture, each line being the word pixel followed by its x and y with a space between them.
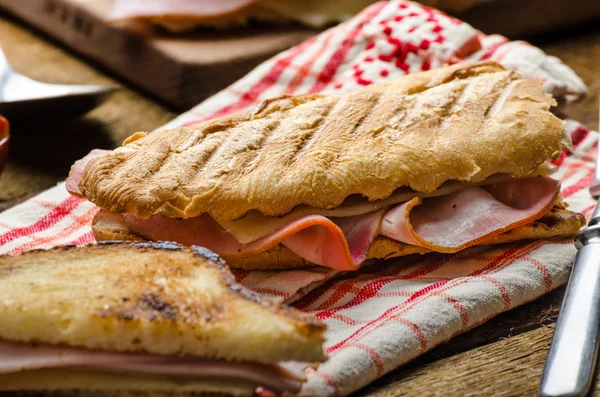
pixel 180 71
pixel 41 152
pixel 510 367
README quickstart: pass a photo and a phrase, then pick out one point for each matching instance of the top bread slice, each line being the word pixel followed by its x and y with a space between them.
pixel 464 122
pixel 158 298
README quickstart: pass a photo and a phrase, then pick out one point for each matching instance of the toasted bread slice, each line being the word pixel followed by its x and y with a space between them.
pixel 157 298
pixel 464 122
pixel 559 222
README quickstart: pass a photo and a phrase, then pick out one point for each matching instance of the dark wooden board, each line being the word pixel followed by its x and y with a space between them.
pixel 182 71
pixel 521 19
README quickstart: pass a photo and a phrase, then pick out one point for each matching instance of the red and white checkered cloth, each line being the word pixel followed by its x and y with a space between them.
pixel 389 313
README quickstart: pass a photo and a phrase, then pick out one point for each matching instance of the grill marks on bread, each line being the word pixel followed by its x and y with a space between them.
pixel 464 122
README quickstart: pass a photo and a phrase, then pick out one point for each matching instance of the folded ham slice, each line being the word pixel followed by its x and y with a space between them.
pixel 15 357
pixel 124 9
pixel 341 244
pixel 459 220
pixel 446 224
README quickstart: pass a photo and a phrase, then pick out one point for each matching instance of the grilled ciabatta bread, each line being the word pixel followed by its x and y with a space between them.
pixel 419 131
pixel 155 298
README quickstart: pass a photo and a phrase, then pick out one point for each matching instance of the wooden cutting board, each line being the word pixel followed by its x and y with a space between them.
pixel 182 71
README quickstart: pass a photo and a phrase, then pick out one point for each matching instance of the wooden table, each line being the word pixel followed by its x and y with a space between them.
pixel 504 357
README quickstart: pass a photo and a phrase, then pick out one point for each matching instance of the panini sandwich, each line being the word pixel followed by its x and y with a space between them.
pixel 433 162
pixel 145 317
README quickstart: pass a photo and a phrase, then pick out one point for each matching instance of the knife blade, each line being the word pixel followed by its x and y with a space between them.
pixel 569 368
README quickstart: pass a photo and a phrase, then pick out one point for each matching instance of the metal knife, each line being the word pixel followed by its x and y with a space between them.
pixel 571 361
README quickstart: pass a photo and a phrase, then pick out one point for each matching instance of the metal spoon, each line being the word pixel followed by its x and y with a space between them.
pixel 22 97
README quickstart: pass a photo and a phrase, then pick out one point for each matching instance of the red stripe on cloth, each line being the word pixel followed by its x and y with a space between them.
pixel 578 135
pixel 85 239
pixel 426 290
pixel 490 51
pixel 44 203
pixel 374 356
pixel 500 287
pixel 430 268
pixel 79 222
pixel 387 315
pixel 543 269
pixel 266 82
pixel 572 169
pixel 464 316
pixel 415 328
pixel 345 319
pixel 499 259
pixel 402 294
pixel 373 288
pixel 339 56
pixel 588 211
pixel 366 290
pixel 564 153
pixel 339 293
pixel 405 306
pixel 440 283
pixel 329 379
pixel 313 296
pixel 583 183
pixel 304 70
pixel 59 212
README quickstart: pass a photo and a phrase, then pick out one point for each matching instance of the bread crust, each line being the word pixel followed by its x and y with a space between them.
pixel 559 222
pixel 418 131
pixel 159 298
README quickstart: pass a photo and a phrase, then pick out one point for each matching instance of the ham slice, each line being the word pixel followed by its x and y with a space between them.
pixel 341 244
pixel 15 357
pixel 72 183
pixel 447 224
pixel 255 225
pixel 459 220
pixel 126 9
pixel 313 13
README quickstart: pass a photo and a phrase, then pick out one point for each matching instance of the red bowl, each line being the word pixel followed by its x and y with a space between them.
pixel 4 141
